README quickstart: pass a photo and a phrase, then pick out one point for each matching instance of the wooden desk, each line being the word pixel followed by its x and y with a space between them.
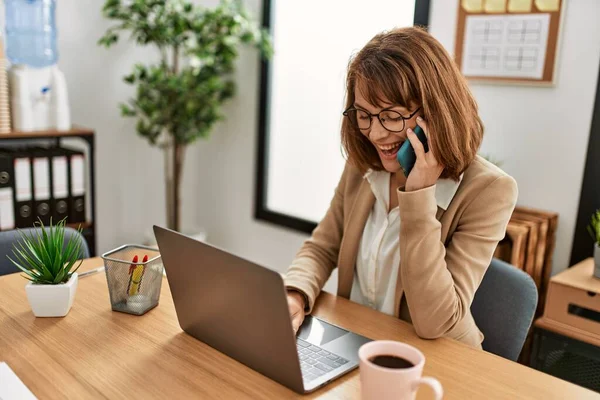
pixel 94 352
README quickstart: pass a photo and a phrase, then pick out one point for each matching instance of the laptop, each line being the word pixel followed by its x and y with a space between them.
pixel 240 309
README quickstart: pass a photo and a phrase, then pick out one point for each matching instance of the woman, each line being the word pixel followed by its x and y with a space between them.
pixel 414 247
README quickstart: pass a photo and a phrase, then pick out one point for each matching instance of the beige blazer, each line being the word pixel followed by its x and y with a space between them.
pixel 444 253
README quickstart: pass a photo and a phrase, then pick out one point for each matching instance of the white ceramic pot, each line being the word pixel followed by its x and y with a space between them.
pixel 597 260
pixel 52 300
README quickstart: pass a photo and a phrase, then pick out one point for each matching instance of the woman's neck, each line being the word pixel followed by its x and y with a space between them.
pixel 397 179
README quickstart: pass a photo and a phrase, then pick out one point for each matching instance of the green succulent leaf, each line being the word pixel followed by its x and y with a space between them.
pixel 44 257
pixel 594 227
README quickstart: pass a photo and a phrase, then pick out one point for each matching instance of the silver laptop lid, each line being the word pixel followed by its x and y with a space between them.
pixel 233 305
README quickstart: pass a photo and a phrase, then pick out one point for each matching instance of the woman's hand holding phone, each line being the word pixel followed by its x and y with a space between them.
pixel 427 169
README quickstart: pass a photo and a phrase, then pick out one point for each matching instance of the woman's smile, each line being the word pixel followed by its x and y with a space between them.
pixel 388 151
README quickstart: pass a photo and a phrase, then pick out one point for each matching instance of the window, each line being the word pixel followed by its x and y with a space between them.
pixel 302 98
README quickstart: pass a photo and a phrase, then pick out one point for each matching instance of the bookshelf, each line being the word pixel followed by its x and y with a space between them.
pixel 55 138
pixel 74 132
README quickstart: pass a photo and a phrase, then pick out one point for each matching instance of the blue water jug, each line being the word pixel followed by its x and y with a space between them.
pixel 31 32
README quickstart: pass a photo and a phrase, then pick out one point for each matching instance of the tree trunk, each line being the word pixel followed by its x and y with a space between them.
pixel 178 157
pixel 169 185
pixel 174 158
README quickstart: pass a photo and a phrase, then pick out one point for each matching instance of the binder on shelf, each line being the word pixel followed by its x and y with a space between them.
pixel 42 168
pixel 23 199
pixel 41 185
pixel 16 173
pixel 59 178
pixel 76 173
pixel 7 214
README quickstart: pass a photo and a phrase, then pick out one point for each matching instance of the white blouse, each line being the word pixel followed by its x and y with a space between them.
pixel 378 259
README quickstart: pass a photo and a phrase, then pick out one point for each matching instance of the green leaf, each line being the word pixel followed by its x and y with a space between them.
pixel 185 101
pixel 43 256
pixel 127 111
pixel 129 78
pixel 594 227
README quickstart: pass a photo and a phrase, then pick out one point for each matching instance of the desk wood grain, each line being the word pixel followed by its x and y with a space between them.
pixel 96 353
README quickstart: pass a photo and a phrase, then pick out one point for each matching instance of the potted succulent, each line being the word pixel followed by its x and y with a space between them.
pixel 594 229
pixel 50 265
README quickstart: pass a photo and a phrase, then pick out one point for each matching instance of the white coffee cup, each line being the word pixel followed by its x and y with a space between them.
pixel 382 383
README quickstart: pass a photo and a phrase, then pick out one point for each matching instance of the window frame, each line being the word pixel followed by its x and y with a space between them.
pixel 261 211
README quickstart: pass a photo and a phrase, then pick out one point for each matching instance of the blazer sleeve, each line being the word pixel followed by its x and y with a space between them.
pixel 318 256
pixel 440 282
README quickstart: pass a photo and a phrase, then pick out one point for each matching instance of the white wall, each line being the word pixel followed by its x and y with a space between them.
pixel 541 134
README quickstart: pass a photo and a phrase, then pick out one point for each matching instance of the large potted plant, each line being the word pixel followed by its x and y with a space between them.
pixel 50 265
pixel 594 230
pixel 178 99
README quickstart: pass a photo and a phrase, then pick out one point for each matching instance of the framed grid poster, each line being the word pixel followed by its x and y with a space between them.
pixel 510 41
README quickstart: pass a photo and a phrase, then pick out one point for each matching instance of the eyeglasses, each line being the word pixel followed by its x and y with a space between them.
pixel 391 120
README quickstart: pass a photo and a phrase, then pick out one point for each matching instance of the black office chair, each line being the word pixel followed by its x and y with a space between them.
pixel 7 238
pixel 503 308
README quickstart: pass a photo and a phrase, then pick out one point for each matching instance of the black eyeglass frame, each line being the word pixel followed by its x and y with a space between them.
pixel 378 115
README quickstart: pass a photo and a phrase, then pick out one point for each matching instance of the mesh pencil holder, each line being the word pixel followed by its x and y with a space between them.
pixel 134 288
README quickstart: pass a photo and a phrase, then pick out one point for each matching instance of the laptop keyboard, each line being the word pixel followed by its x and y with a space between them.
pixel 315 362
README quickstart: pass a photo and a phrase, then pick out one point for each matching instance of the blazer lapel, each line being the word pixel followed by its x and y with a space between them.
pixel 353 230
pixel 439 213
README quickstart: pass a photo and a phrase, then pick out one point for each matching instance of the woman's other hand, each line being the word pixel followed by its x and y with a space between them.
pixel 296 307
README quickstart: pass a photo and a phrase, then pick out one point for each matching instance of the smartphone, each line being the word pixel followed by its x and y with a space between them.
pixel 406 155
